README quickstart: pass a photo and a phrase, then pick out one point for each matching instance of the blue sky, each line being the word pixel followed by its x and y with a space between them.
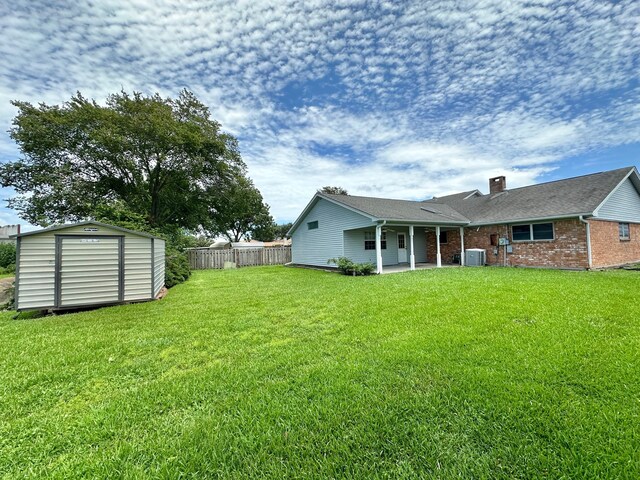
pixel 398 99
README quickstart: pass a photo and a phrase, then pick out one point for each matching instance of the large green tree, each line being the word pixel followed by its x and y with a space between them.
pixel 239 212
pixel 165 159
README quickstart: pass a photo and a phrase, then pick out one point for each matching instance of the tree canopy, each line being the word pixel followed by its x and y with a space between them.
pixel 334 190
pixel 160 158
pixel 239 212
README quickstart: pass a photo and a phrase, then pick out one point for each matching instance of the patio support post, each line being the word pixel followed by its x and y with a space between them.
pixel 378 249
pixel 438 256
pixel 462 246
pixel 412 257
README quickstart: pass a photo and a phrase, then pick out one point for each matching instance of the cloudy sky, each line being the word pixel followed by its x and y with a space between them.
pixel 397 99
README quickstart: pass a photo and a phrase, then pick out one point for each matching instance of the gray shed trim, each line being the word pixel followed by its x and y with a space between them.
pixel 80 224
pixel 16 281
pixel 153 267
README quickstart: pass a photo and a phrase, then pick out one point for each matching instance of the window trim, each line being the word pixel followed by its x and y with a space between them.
pixel 622 238
pixel 314 225
pixel 383 240
pixel 531 239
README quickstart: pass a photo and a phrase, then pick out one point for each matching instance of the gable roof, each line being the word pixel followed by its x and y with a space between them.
pixel 570 197
pixel 80 224
pixel 390 209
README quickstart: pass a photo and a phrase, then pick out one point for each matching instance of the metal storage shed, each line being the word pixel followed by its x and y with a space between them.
pixel 86 264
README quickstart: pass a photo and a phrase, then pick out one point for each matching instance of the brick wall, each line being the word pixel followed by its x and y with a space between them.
pixel 567 250
pixel 606 247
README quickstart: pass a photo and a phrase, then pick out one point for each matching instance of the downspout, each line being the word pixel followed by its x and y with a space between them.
pixel 581 217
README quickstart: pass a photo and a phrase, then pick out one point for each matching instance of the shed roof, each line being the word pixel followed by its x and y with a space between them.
pixel 56 228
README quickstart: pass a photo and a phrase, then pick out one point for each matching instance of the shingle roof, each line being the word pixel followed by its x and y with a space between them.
pixel 390 209
pixel 572 196
pixel 562 198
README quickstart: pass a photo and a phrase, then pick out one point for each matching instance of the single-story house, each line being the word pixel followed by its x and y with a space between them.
pixel 582 222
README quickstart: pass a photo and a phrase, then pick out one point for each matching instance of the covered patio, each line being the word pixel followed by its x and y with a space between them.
pixel 410 246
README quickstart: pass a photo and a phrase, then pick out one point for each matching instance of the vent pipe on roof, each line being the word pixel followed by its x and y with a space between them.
pixel 497 184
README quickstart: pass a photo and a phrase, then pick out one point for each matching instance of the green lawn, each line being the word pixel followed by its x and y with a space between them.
pixel 291 373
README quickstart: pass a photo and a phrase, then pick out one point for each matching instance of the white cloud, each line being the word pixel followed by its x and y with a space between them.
pixel 406 99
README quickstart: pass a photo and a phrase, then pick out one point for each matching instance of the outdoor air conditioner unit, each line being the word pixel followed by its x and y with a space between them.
pixel 475 257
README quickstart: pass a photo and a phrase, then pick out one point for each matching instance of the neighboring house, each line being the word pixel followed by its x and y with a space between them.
pixel 226 245
pixel 221 245
pixel 7 231
pixel 281 242
pixel 250 244
pixel 582 222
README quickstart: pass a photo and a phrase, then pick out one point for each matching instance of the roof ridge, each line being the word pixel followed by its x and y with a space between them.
pixel 569 178
pixel 333 195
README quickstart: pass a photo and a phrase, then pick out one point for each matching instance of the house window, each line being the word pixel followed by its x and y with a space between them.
pixel 443 237
pixel 370 240
pixel 532 231
pixel 623 231
pixel 312 225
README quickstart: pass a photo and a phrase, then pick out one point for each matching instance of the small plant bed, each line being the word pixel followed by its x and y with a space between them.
pixel 273 372
pixel 348 267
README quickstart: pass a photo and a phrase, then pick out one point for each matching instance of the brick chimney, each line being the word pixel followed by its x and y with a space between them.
pixel 497 184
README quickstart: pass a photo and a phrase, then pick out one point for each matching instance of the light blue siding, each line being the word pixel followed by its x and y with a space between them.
pixel 623 205
pixel 315 247
pixel 354 245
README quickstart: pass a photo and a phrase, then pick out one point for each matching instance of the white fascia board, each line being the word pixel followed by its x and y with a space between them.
pixel 405 223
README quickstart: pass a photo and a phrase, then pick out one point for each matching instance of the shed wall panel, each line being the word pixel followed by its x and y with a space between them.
pixel 158 268
pixel 316 246
pixel 137 268
pixel 37 264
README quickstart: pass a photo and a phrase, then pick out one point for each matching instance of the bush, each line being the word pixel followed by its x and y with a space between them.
pixel 9 269
pixel 347 267
pixel 176 268
pixel 7 254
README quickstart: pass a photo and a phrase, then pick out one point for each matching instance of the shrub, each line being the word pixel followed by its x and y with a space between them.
pixel 176 267
pixel 7 254
pixel 9 269
pixel 347 267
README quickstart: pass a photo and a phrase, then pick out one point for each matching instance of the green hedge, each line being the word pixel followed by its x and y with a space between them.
pixel 7 254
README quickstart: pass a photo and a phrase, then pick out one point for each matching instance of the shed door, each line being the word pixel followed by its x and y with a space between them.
pixel 89 270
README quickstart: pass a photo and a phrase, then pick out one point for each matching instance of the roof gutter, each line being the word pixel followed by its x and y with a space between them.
pixel 588 228
pixel 426 223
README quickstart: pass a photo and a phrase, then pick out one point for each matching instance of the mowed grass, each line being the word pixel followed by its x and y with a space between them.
pixel 291 373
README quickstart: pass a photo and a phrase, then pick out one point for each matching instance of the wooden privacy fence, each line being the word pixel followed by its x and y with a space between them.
pixel 206 258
